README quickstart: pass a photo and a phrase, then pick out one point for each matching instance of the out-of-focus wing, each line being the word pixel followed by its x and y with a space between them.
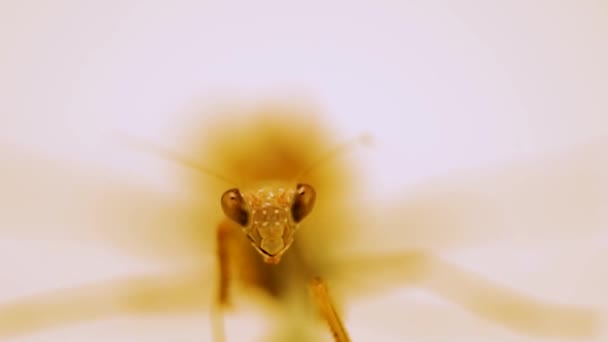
pixel 551 198
pixel 58 201
pixel 555 202
pixel 44 198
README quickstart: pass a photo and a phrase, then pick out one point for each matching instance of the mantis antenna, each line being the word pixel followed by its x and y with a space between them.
pixel 177 158
pixel 171 155
pixel 341 149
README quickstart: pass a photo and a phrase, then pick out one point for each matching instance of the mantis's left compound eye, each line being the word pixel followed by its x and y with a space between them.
pixel 234 207
pixel 303 202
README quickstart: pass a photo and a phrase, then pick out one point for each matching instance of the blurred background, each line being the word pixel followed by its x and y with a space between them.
pixel 445 87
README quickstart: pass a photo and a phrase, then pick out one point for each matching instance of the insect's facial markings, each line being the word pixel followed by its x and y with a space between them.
pixel 269 216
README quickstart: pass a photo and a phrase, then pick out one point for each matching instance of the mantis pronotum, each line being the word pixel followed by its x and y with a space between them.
pixel 280 217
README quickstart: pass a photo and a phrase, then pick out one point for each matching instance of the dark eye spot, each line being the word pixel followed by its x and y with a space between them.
pixel 234 208
pixel 303 202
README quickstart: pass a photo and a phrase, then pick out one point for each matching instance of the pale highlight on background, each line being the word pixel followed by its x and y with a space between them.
pixel 444 87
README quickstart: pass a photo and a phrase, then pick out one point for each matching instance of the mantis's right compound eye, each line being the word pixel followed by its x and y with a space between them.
pixel 234 207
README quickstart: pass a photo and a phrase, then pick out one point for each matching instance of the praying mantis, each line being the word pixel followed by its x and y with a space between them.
pixel 271 213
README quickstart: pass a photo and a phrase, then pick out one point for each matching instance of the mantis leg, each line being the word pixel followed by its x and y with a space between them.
pixel 222 293
pixel 184 292
pixel 477 295
pixel 320 294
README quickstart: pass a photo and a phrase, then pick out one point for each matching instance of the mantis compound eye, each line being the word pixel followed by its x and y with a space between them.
pixel 234 207
pixel 303 202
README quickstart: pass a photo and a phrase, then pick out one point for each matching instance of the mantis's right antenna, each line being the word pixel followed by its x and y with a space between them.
pixel 173 156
